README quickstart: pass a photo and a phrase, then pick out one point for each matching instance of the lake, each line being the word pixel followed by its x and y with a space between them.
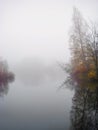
pixel 34 100
pixel 43 97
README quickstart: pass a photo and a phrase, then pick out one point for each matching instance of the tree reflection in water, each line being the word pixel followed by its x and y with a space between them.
pixel 84 113
pixel 4 86
pixel 5 77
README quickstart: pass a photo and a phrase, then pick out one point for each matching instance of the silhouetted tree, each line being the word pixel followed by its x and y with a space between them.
pixel 5 77
pixel 84 113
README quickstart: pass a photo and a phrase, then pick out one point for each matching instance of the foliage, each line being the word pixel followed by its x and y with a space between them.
pixel 5 77
pixel 83 49
pixel 92 74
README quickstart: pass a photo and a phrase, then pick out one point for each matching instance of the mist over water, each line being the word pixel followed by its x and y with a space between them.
pixel 33 100
pixel 34 41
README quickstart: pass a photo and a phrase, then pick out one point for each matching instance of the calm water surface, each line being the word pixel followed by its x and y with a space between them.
pixel 34 102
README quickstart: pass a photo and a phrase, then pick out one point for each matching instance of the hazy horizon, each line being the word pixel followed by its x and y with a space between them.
pixel 39 29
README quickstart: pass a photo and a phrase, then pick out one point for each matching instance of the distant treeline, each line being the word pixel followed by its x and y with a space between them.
pixel 5 74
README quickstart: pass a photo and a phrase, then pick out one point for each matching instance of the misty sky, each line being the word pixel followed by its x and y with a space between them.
pixel 39 28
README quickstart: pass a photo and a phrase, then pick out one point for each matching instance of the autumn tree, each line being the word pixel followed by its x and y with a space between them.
pixel 83 46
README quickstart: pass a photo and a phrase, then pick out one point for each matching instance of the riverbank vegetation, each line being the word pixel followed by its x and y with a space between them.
pixel 5 74
pixel 5 77
pixel 84 49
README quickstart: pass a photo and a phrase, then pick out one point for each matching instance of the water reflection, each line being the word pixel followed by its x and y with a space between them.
pixel 84 113
pixel 38 108
pixel 5 77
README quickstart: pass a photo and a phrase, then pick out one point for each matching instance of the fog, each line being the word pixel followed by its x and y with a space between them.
pixel 39 29
pixel 34 38
pixel 35 72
